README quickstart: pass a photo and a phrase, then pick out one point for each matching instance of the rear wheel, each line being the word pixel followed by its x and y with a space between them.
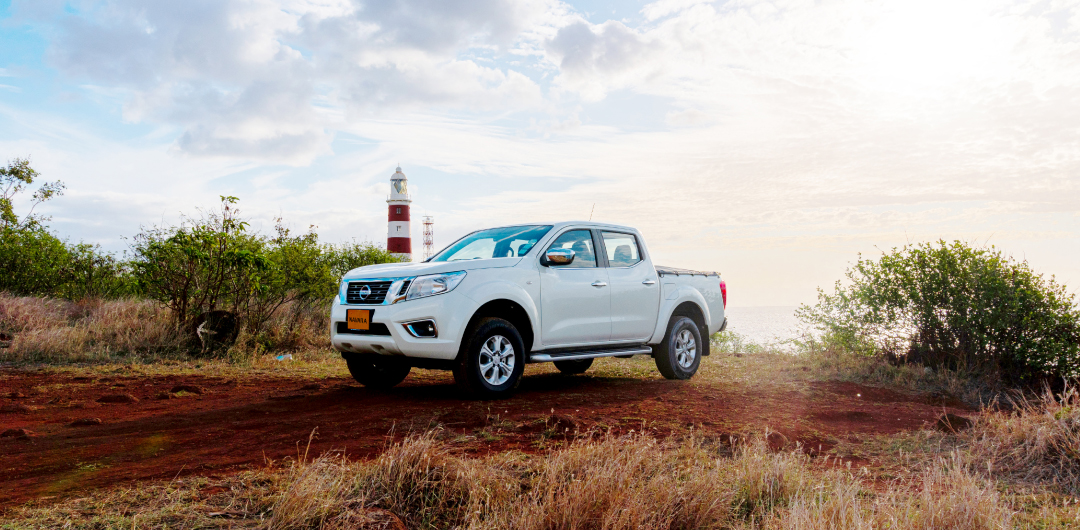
pixel 679 356
pixel 377 371
pixel 492 361
pixel 573 367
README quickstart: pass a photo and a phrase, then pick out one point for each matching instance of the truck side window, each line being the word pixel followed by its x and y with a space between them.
pixel 580 241
pixel 622 249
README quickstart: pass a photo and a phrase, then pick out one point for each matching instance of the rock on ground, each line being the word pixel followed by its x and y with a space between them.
pixel 18 434
pixel 16 408
pixel 85 422
pixel 949 422
pixel 191 389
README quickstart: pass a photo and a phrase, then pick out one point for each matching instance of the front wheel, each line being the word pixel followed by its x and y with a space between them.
pixel 679 356
pixel 492 361
pixel 377 371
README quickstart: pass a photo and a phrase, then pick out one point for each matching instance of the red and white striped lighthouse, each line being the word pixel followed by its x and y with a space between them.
pixel 398 236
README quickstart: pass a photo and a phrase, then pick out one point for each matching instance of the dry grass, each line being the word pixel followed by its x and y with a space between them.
pixel 837 364
pixel 629 482
pixel 1037 443
pixel 55 331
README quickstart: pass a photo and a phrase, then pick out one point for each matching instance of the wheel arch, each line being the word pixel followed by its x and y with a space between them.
pixel 693 311
pixel 507 309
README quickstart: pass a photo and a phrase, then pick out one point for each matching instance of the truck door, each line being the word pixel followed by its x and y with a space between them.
pixel 635 291
pixel 575 298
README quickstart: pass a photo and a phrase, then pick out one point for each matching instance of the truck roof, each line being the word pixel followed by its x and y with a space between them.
pixel 561 224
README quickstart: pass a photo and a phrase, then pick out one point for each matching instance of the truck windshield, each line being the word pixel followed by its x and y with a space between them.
pixel 506 242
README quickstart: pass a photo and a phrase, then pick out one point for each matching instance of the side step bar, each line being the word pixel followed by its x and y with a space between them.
pixel 589 354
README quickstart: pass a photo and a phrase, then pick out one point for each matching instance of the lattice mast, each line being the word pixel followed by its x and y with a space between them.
pixel 429 236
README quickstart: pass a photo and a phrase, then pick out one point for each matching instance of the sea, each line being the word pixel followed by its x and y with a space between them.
pixel 764 324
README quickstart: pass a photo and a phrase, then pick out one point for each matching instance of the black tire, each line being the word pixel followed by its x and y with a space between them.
pixel 673 358
pixel 573 367
pixel 491 336
pixel 377 371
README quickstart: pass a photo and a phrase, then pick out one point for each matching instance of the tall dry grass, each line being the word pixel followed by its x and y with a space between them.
pixel 1037 443
pixel 56 331
pixel 93 330
pixel 943 496
pixel 629 483
pixel 607 483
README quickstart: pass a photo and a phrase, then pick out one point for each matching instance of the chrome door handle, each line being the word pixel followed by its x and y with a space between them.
pixel 599 283
pixel 649 282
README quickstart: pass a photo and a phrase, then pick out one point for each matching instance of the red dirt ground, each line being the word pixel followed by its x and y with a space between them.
pixel 237 424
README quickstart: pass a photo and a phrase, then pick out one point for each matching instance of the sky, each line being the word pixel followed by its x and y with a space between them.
pixel 772 141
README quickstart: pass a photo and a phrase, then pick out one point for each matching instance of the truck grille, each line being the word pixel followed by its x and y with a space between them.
pixel 376 295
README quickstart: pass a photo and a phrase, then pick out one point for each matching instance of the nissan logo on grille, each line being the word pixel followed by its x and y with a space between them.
pixel 369 292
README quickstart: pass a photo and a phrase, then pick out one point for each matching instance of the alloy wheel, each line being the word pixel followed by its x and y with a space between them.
pixel 497 360
pixel 685 348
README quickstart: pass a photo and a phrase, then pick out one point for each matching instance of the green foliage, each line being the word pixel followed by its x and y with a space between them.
pixel 952 305
pixel 203 265
pixel 13 180
pixel 32 261
pixel 35 262
pixel 217 263
pixel 347 256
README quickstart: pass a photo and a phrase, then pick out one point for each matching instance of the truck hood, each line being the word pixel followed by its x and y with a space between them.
pixel 404 270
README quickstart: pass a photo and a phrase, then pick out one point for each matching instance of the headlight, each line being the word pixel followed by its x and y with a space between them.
pixel 434 284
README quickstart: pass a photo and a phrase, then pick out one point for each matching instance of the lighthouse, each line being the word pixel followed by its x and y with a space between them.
pixel 398 236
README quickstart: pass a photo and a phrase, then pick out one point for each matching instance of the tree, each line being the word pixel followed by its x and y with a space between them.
pixel 957 306
pixel 206 264
pixel 13 180
pixel 32 261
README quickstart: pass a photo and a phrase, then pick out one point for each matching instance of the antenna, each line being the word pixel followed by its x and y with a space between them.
pixel 591 211
pixel 429 236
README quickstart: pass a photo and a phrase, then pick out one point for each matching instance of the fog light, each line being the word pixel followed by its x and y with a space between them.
pixel 422 329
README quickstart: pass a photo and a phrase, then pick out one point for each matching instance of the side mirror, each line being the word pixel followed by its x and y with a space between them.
pixel 559 256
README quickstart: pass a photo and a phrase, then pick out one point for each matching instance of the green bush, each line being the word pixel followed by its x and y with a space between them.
pixel 35 262
pixel 32 261
pixel 217 263
pixel 207 264
pixel 957 306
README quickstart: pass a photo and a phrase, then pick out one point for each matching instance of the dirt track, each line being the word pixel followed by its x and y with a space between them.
pixel 237 424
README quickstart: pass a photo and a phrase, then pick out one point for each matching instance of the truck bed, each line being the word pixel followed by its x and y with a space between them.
pixel 664 270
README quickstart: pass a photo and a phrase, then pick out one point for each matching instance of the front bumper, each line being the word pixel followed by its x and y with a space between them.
pixel 450 311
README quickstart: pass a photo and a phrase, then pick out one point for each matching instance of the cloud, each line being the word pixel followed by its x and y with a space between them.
pixel 268 81
pixel 778 136
pixel 596 59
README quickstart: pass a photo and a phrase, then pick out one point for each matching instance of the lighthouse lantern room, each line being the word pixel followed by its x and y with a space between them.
pixel 398 237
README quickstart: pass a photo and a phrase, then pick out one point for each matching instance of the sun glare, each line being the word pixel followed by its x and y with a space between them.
pixel 920 46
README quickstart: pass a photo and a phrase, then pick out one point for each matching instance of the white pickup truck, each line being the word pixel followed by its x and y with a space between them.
pixel 499 298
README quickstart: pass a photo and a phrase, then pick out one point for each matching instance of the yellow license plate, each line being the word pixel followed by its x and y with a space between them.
pixel 359 319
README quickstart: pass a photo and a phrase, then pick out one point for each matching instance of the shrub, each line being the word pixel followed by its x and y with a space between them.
pixel 32 261
pixel 216 263
pixel 952 305
pixel 35 262
pixel 203 265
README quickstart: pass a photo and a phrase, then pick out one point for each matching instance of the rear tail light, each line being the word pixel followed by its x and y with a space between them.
pixel 723 292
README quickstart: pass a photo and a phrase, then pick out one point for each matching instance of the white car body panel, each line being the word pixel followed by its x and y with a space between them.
pixel 565 309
